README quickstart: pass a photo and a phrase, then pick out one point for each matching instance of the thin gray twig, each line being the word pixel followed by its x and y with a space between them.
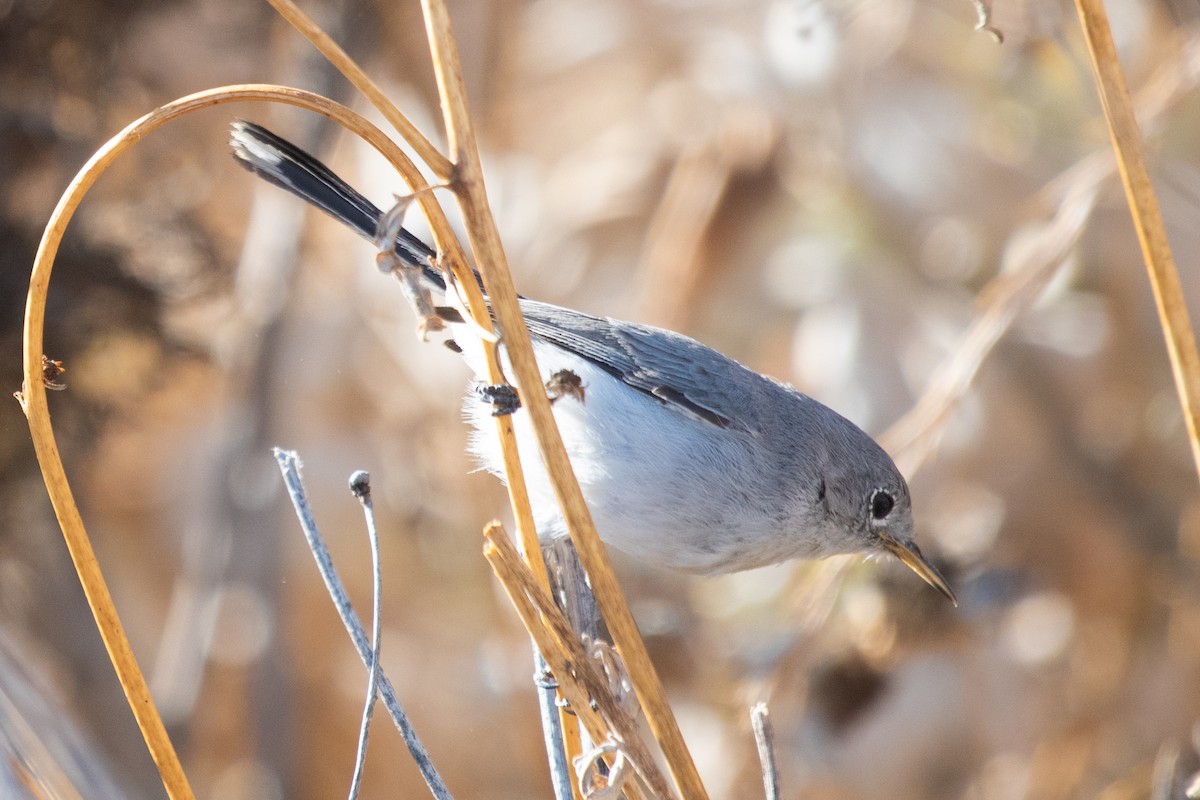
pixel 552 731
pixel 360 486
pixel 764 737
pixel 289 465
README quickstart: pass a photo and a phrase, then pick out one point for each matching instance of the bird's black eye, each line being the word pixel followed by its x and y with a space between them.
pixel 882 503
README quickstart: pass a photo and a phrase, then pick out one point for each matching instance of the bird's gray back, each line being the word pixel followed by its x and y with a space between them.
pixel 674 369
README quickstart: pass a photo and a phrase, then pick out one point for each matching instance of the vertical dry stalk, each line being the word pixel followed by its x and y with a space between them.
pixel 493 265
pixel 1147 220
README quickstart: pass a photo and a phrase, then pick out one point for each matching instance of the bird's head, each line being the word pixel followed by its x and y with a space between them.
pixel 867 503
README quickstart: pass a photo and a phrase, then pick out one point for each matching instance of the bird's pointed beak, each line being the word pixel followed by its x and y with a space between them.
pixel 910 554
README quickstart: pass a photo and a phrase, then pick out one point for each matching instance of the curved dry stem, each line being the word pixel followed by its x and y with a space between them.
pixel 34 394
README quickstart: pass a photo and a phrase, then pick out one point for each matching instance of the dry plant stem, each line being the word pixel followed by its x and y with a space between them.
pixel 572 738
pixel 493 265
pixel 289 465
pixel 1143 204
pixel 34 404
pixel 568 584
pixel 518 494
pixel 562 734
pixel 579 676
pixel 551 651
pixel 454 259
pixel 476 308
pixel 764 739
pixel 437 162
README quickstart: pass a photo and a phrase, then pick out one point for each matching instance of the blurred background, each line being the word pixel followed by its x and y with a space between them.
pixel 865 198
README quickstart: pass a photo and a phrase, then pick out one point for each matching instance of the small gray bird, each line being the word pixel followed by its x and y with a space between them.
pixel 687 459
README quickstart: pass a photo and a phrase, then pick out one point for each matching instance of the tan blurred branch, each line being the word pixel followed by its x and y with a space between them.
pixel 1030 264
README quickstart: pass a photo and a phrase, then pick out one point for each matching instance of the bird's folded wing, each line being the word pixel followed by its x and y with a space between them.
pixel 677 371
